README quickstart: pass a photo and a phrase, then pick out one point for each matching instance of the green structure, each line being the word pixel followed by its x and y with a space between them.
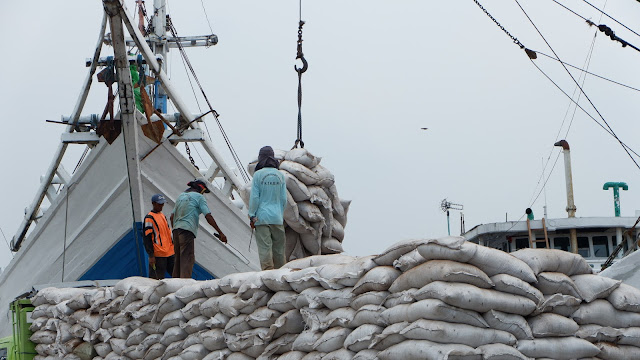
pixel 616 193
pixel 18 346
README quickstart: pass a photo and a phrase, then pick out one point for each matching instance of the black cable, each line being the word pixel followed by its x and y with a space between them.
pixel 206 16
pixel 590 73
pixel 6 241
pixel 575 13
pixel 234 154
pixel 583 109
pixel 607 15
pixel 581 90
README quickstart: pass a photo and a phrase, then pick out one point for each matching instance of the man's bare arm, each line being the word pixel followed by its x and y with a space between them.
pixel 213 223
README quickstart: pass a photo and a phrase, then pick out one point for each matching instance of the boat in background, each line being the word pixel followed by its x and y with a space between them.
pixel 91 229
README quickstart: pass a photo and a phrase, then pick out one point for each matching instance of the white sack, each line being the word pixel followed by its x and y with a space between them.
pixel 553 260
pixel 390 336
pixel 451 333
pixel 493 262
pixel 441 270
pixel 547 325
pixel 325 177
pixel 334 299
pixel 601 312
pixel 630 336
pixel 302 279
pixel 310 212
pixel 513 285
pixel 332 339
pixel 346 274
pixel 556 283
pixel 237 324
pixel 593 287
pixel 288 323
pixel 303 157
pixel 361 337
pixel 331 246
pixel 595 333
pixel 366 355
pixel 306 339
pixel 427 350
pixel 370 297
pixel 558 348
pixel 301 172
pixel 283 301
pixel 432 309
pixel 395 251
pixel 626 298
pixel 341 317
pixel 192 309
pixel 213 339
pixel 560 304
pixel 218 321
pixel 263 317
pixel 340 354
pixel 190 292
pixel 368 314
pixel 434 251
pixel 500 352
pixel 218 355
pixel 194 352
pixel 211 288
pixel 318 260
pixel 403 297
pixel 469 297
pixel 377 279
pixel 296 188
pixel 308 298
pixel 409 260
pixel 618 352
pixel 515 324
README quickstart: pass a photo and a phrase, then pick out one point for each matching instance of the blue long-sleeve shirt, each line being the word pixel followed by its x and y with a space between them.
pixel 268 197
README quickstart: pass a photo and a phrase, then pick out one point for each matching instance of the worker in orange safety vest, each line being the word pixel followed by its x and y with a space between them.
pixel 157 240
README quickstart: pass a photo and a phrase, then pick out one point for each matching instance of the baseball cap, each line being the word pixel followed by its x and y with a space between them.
pixel 199 183
pixel 158 199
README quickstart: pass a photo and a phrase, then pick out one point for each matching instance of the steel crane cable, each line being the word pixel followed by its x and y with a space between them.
pixel 234 155
pixel 581 89
pixel 300 71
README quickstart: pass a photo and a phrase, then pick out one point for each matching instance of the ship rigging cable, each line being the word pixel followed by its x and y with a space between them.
pixel 581 89
pixel 603 28
pixel 544 168
pixel 234 155
pixel 6 241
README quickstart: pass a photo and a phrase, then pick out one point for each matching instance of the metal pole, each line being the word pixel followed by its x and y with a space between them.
pixel 616 186
pixel 571 207
pixel 448 226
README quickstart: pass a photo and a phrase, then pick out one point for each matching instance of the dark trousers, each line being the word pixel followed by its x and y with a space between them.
pixel 164 266
pixel 183 243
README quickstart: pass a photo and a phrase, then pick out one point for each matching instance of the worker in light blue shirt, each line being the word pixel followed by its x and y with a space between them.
pixel 266 209
pixel 185 220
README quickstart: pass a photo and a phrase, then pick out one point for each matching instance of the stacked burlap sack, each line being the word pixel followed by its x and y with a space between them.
pixel 427 299
pixel 315 216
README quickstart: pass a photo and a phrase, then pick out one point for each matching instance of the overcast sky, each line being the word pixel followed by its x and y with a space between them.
pixel 379 71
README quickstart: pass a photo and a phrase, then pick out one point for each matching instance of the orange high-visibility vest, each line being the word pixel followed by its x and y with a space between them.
pixel 157 225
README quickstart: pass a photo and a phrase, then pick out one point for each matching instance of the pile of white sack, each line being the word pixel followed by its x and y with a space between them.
pixel 315 216
pixel 426 299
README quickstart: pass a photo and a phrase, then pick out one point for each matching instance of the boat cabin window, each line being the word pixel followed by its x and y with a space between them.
pixel 562 243
pixel 3 353
pixel 600 246
pixel 540 243
pixel 583 246
pixel 522 243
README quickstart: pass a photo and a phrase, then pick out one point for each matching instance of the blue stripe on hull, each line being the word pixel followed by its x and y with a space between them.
pixel 127 258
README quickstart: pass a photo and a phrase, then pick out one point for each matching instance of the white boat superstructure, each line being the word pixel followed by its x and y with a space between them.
pixel 92 228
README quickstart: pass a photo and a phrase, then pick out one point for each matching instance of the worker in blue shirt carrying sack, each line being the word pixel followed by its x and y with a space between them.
pixel 266 209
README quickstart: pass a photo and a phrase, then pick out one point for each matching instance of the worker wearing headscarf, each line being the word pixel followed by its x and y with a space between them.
pixel 266 209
